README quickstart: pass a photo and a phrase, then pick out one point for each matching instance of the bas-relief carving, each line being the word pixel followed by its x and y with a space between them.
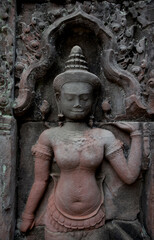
pixel 7 122
pixel 149 193
pixel 73 211
pixel 123 60
pixel 6 58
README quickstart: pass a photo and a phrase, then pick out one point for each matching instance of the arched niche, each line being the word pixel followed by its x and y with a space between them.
pixel 98 44
pixel 78 28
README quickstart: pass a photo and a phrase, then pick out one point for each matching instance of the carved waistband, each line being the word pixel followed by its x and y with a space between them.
pixel 63 222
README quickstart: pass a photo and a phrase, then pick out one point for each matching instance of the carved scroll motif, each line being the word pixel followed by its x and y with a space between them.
pixel 122 78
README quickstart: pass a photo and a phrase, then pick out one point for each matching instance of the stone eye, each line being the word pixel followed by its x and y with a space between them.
pixel 84 98
pixel 69 98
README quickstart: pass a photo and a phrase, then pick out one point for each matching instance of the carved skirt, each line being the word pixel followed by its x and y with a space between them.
pixel 115 229
pixel 58 221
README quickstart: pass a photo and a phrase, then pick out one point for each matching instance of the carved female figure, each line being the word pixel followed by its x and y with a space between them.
pixel 76 204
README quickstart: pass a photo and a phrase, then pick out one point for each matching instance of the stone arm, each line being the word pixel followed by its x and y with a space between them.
pixel 128 170
pixel 42 155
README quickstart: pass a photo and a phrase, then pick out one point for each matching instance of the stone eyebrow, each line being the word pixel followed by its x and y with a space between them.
pixel 81 93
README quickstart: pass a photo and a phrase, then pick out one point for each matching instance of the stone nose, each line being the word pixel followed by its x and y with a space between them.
pixel 77 103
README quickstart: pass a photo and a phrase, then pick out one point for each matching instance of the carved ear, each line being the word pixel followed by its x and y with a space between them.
pixel 95 102
pixel 57 96
pixel 93 108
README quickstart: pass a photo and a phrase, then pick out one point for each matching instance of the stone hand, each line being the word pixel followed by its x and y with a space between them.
pixel 26 225
pixel 127 126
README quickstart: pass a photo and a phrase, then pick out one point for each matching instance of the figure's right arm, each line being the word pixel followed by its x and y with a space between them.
pixel 42 152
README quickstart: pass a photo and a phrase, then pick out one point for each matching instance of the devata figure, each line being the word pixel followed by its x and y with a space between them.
pixel 76 204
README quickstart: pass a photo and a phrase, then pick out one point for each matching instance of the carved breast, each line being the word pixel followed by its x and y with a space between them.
pixel 78 151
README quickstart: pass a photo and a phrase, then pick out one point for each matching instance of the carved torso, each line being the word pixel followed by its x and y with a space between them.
pixel 78 155
pixel 77 199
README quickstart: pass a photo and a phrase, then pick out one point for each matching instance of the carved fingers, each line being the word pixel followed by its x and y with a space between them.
pixel 27 224
pixel 127 126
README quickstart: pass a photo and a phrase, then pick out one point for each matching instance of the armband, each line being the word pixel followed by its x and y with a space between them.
pixel 117 145
pixel 42 151
pixel 136 133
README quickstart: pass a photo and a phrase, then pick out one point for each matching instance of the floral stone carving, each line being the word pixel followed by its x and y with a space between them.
pixel 123 56
pixel 6 58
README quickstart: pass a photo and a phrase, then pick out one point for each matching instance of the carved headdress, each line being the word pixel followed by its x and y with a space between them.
pixel 76 70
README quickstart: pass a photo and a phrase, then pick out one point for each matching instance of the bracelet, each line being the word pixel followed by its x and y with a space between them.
pixel 28 216
pixel 136 133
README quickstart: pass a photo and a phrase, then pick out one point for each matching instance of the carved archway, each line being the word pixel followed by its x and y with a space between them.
pixel 112 71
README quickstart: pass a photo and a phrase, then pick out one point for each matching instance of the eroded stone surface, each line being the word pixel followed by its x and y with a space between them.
pixel 28 136
pixel 79 150
pixel 8 132
pixel 122 51
pixel 33 235
pixel 7 28
pixel 8 177
pixel 148 191
pixel 130 22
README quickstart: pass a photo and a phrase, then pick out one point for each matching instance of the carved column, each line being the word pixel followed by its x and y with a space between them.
pixel 8 131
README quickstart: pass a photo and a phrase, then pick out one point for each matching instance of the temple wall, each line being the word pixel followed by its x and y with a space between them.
pixel 35 40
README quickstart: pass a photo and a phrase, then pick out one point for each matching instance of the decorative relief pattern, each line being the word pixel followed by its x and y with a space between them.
pixel 124 32
pixel 7 121
pixel 6 58
pixel 146 146
pixel 30 37
pixel 126 21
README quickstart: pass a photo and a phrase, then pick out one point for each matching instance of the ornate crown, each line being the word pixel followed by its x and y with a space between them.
pixel 76 70
pixel 76 60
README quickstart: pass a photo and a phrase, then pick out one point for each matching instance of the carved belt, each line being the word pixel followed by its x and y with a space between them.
pixel 62 222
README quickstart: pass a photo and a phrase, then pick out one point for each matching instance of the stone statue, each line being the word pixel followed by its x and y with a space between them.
pixel 76 205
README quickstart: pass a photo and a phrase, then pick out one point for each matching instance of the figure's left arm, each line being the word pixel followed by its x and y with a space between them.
pixel 128 170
